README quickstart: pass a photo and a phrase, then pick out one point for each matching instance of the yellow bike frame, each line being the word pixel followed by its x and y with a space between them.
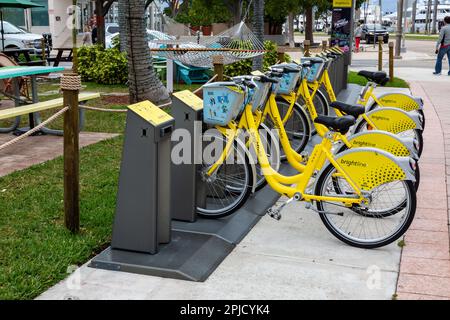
pixel 280 183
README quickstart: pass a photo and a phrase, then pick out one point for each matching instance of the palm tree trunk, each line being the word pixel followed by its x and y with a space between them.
pixel 435 12
pixel 309 24
pixel 258 30
pixel 122 4
pixel 291 30
pixel 143 81
pixel 413 17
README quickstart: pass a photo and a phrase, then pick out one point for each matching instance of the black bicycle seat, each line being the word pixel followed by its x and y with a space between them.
pixel 379 77
pixel 338 124
pixel 349 109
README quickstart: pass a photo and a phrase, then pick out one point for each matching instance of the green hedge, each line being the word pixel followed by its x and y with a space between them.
pixel 103 66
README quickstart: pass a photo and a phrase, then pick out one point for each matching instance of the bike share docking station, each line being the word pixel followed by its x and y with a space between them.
pixel 153 190
pixel 156 230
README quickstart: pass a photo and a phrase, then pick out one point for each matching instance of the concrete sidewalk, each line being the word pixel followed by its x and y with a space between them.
pixel 425 263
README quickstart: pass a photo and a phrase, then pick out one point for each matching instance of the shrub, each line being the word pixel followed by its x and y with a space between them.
pixel 103 66
pixel 244 67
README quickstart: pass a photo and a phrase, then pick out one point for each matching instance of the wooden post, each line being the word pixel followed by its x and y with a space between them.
pixel 44 51
pixel 391 61
pixel 380 53
pixel 69 85
pixel 280 55
pixel 218 67
pixel 306 48
pixel 324 45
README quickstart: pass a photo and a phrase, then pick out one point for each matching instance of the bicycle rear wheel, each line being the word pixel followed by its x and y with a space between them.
pixel 225 191
pixel 384 220
pixel 321 107
pixel 297 126
pixel 413 133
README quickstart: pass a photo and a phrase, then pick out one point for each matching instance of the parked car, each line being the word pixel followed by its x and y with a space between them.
pixel 371 32
pixel 17 38
pixel 111 28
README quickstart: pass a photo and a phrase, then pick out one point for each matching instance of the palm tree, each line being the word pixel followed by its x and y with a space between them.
pixel 143 81
pixel 413 16
pixel 258 30
pixel 122 24
pixel 435 14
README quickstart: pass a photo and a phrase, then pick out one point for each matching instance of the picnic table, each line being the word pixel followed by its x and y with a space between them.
pixel 15 53
pixel 59 57
pixel 15 73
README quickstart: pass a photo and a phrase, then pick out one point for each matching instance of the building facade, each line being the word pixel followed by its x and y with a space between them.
pixel 53 17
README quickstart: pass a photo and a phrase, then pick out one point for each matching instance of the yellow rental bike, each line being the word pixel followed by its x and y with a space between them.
pixel 398 146
pixel 369 100
pixel 364 196
pixel 393 120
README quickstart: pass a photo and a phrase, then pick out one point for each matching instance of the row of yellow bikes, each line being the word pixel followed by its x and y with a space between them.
pixel 360 177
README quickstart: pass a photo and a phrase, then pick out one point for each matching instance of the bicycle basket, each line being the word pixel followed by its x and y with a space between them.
pixel 259 95
pixel 316 70
pixel 288 82
pixel 222 102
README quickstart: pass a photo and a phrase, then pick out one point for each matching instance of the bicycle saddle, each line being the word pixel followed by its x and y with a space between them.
pixel 349 109
pixel 338 124
pixel 379 77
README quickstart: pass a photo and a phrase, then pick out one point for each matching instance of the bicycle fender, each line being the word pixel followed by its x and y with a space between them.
pixel 369 168
pixel 398 146
pixel 399 100
pixel 395 120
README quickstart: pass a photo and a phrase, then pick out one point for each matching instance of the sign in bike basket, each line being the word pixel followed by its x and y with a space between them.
pixel 222 102
pixel 288 81
pixel 316 69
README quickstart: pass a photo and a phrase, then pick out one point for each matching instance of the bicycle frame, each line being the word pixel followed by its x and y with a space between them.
pixel 280 183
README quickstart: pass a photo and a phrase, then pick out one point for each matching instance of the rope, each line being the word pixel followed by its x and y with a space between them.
pixel 160 106
pixel 103 109
pixel 35 129
pixel 71 82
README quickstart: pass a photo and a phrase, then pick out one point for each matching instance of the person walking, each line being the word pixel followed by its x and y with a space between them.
pixel 443 47
pixel 358 34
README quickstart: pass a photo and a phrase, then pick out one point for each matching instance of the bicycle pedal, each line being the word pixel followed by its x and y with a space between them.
pixel 274 214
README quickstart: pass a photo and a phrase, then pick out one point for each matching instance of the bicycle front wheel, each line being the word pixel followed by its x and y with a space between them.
pixel 384 220
pixel 228 188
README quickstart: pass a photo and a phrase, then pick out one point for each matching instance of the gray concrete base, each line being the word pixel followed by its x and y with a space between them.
pixel 235 227
pixel 189 256
pixel 196 249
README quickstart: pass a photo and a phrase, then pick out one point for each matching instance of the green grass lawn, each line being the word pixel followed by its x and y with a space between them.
pixel 354 78
pixel 417 36
pixel 35 247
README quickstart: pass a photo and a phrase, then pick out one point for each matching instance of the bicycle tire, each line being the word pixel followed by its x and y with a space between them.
pixel 302 129
pixel 346 237
pixel 240 201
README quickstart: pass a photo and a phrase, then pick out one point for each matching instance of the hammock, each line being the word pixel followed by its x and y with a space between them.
pixel 234 44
